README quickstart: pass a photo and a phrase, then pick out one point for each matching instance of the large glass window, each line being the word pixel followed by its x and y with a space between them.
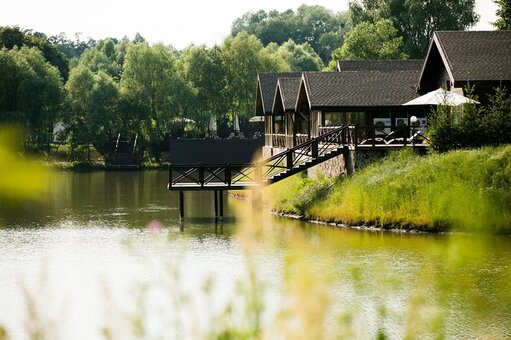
pixel 343 118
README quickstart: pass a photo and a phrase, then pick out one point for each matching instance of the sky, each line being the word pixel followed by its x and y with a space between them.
pixel 176 23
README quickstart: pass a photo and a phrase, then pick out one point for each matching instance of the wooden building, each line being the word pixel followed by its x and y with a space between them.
pixel 363 93
pixel 457 58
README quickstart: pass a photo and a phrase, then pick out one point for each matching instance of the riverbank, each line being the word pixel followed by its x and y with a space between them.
pixel 462 190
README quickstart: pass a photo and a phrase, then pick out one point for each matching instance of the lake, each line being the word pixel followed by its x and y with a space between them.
pixel 104 255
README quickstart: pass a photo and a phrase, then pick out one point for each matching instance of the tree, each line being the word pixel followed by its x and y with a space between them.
pixel 30 93
pixel 202 69
pixel 243 57
pixel 416 20
pixel 73 49
pixel 315 25
pixel 103 57
pixel 299 57
pixel 78 102
pixel 11 37
pixel 503 15
pixel 472 126
pixel 371 41
pixel 153 89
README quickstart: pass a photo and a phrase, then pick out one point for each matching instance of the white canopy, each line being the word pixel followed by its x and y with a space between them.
pixel 441 97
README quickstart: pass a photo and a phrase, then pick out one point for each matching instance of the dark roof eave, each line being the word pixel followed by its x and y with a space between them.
pixel 355 108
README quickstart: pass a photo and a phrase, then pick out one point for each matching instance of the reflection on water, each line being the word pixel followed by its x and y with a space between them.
pixel 81 264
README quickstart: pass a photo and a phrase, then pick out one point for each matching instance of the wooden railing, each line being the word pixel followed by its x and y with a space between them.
pixel 301 138
pixel 388 135
pixel 232 176
pixel 278 140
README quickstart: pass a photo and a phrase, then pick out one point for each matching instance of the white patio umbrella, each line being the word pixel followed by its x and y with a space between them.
pixel 256 119
pixel 441 97
pixel 236 123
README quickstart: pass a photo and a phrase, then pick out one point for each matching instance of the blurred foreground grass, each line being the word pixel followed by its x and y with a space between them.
pixel 21 177
pixel 464 190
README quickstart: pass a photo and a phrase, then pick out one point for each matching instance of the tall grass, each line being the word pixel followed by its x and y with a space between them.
pixel 467 189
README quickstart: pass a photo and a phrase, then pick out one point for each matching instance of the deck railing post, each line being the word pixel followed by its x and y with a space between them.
pixel 170 177
pixel 315 148
pixel 373 133
pixel 201 175
pixel 289 159
pixel 228 175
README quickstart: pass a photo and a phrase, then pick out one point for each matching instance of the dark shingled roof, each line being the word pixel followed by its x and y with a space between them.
pixel 289 91
pixel 267 83
pixel 380 65
pixel 477 55
pixel 360 88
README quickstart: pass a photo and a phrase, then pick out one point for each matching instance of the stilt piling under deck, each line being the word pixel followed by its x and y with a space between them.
pixel 219 205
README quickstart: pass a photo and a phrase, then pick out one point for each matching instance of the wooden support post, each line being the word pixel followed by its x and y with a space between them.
pixel 181 205
pixel 216 204
pixel 221 206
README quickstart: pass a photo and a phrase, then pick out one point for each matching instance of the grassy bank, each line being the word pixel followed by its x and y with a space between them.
pixel 467 189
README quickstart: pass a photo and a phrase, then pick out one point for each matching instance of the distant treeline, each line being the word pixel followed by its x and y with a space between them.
pixel 97 89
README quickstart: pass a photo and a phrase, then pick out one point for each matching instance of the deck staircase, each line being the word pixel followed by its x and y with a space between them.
pixel 266 172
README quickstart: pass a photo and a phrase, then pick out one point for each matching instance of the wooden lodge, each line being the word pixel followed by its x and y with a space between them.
pixel 363 94
pixel 369 95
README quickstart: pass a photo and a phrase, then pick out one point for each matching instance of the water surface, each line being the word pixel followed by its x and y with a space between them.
pixel 89 261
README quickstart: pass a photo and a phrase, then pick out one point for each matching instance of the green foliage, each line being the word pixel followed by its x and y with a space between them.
pixel 298 57
pixel 471 126
pixel 30 93
pixel 73 49
pixel 466 190
pixel 155 93
pixel 92 104
pixel 203 70
pixel 315 25
pixel 11 37
pixel 243 57
pixel 368 41
pixel 503 21
pixel 416 20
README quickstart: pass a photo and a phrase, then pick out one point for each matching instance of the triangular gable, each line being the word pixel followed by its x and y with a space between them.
pixel 266 85
pixel 286 95
pixel 303 98
pixel 436 70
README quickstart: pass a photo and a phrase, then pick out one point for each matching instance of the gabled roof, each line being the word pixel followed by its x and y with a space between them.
pixel 471 55
pixel 350 89
pixel 266 85
pixel 379 65
pixel 286 94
